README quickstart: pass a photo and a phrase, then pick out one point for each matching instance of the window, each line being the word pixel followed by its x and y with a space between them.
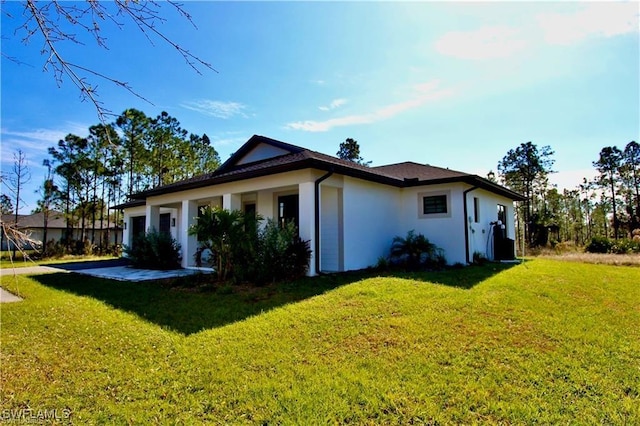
pixel 288 209
pixel 434 204
pixel 165 223
pixel 502 215
pixel 476 209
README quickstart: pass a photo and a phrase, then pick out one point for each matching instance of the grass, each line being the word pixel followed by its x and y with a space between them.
pixel 542 342
pixel 597 258
pixel 21 262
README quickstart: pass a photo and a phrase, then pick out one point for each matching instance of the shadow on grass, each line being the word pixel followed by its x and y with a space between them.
pixel 463 277
pixel 190 310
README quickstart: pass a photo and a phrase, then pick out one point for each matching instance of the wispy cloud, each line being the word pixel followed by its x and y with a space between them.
pixel 606 19
pixel 422 94
pixel 36 142
pixel 218 109
pixel 595 20
pixel 336 103
pixel 484 43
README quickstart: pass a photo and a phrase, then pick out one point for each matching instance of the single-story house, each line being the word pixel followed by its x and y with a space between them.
pixel 350 213
pixel 57 227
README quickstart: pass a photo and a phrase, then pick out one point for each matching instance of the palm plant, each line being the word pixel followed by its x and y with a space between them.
pixel 415 250
pixel 227 234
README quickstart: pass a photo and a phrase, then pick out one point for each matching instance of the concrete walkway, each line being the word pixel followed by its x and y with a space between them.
pixel 116 269
pixel 29 270
pixel 6 297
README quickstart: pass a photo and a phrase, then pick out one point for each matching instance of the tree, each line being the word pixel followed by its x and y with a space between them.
pixel 69 155
pixel 134 125
pixel 631 174
pixel 48 193
pixel 608 165
pixel 56 23
pixel 350 151
pixel 15 180
pixel 525 170
pixel 6 206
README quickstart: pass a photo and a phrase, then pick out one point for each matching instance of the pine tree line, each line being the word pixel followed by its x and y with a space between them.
pixel 88 175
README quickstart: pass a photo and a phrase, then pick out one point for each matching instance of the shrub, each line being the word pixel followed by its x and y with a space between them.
pixel 415 251
pixel 625 246
pixel 605 245
pixel 479 258
pixel 232 238
pixel 154 250
pixel 281 254
pixel 599 245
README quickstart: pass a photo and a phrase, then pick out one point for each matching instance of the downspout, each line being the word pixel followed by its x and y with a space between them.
pixel 317 218
pixel 466 224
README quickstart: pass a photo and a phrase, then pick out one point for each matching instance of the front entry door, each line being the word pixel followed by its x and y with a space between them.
pixel 288 209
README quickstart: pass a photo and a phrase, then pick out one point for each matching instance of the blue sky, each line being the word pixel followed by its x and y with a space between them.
pixel 445 83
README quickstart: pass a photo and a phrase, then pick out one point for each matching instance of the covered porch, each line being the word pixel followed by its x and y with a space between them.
pixel 282 200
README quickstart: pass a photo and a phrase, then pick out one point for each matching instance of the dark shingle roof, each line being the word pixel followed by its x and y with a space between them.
pixel 56 221
pixel 411 170
pixel 399 175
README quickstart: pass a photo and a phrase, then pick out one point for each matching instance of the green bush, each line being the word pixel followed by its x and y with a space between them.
pixel 415 252
pixel 154 250
pixel 605 245
pixel 282 254
pixel 625 246
pixel 599 245
pixel 241 253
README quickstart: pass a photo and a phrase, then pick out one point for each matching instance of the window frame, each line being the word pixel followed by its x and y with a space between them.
pixel 476 209
pixel 441 215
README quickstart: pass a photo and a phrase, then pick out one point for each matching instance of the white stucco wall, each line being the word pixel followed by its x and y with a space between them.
pixel 330 228
pixel 359 219
pixel 480 232
pixel 371 217
pixel 445 232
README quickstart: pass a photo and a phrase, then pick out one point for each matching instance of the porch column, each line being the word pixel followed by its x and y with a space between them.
pixel 153 218
pixel 232 202
pixel 188 243
pixel 307 220
pixel 126 231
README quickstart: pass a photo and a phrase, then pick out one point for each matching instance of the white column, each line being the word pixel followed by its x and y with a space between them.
pixel 188 243
pixel 126 231
pixel 307 220
pixel 264 204
pixel 153 218
pixel 232 202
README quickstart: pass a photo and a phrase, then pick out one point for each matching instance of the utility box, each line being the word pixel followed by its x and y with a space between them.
pixel 505 249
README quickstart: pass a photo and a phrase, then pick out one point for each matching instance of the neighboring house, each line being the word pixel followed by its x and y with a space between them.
pixel 57 227
pixel 350 213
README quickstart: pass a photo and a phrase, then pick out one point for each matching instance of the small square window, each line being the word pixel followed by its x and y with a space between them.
pixel 434 204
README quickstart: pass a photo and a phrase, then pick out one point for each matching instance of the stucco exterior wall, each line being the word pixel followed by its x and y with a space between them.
pixel 445 231
pixel 371 217
pixel 480 232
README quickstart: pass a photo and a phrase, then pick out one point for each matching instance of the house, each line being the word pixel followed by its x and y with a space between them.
pixel 350 213
pixel 57 228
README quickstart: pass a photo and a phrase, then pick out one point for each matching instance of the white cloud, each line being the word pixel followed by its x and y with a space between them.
pixel 218 109
pixel 598 19
pixel 571 179
pixel 336 103
pixel 485 43
pixel 422 94
pixel 35 143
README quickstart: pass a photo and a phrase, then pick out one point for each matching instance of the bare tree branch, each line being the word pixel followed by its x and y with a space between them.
pixel 50 19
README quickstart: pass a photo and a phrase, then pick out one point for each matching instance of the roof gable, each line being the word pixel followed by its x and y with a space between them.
pixel 258 148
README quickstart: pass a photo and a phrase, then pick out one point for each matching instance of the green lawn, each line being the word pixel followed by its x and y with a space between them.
pixel 546 341
pixel 21 262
